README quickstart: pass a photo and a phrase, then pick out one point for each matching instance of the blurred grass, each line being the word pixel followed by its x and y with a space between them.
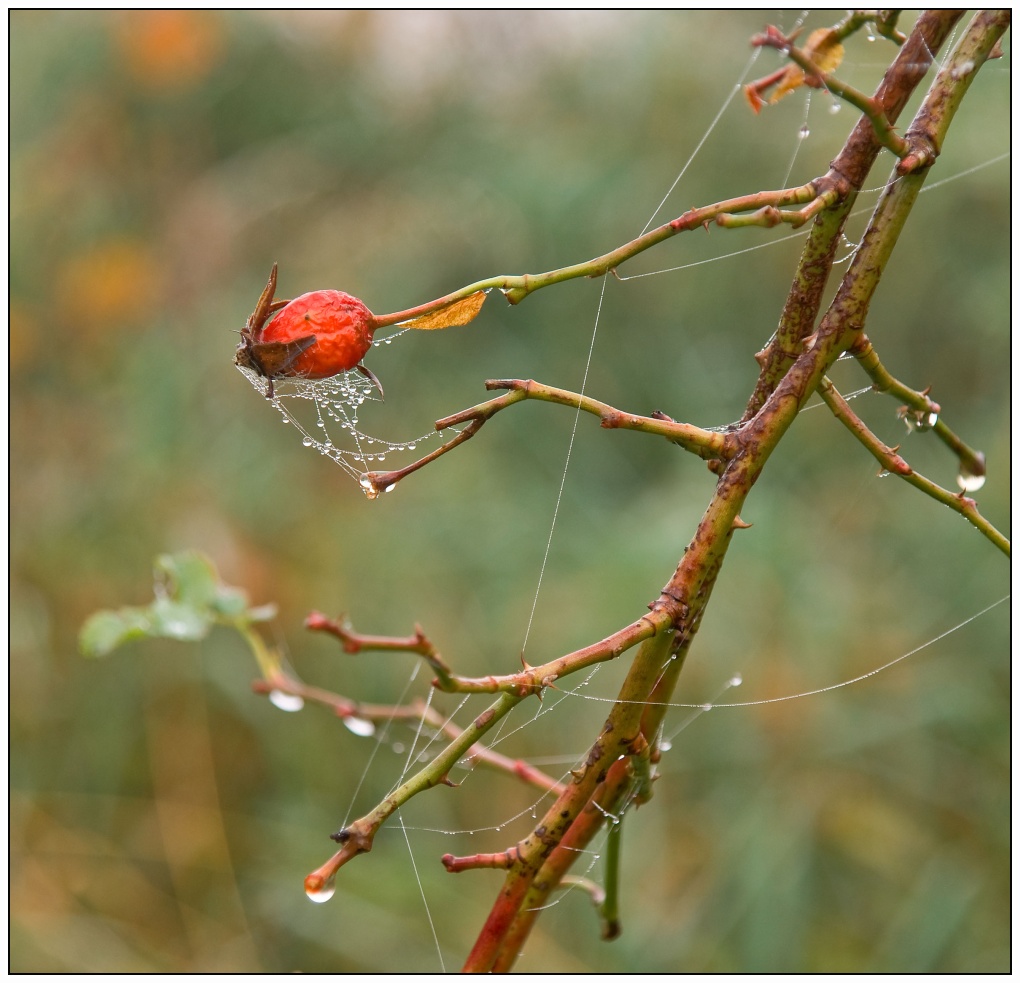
pixel 162 817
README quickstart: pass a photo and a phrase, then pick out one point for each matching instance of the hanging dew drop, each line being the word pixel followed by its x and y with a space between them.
pixel 288 702
pixel 705 707
pixel 359 726
pixel 804 132
pixel 307 441
pixel 736 680
pixel 969 482
pixel 835 107
pixel 665 745
pixel 933 418
pixel 323 894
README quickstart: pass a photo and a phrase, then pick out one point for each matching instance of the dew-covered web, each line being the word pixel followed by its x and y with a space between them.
pixel 329 416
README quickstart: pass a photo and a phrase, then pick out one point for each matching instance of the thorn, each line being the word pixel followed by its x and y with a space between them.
pixel 739 523
pixel 809 341
pixel 445 780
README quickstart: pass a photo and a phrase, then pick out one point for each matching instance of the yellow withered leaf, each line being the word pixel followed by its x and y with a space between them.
pixel 823 48
pixel 452 316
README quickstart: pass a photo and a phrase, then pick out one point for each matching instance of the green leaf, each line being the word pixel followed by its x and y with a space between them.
pixel 190 599
pixel 190 576
pixel 105 630
pixel 171 619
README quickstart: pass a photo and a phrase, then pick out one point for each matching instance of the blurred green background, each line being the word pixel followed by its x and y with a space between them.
pixel 163 816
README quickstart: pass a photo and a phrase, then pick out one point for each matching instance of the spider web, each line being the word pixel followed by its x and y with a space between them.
pixel 326 412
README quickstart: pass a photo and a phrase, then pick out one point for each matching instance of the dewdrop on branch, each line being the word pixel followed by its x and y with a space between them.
pixel 359 726
pixel 318 890
pixel 288 702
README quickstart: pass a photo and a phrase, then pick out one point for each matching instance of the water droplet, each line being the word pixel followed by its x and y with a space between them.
pixel 804 132
pixel 321 423
pixel 706 707
pixel 883 473
pixel 387 341
pixel 285 420
pixel 398 748
pixel 323 894
pixel 871 35
pixel 411 447
pixel 389 488
pixel 665 745
pixel 933 418
pixel 835 107
pixel 359 726
pixel 288 702
pixel 307 441
pixel 969 482
pixel 736 679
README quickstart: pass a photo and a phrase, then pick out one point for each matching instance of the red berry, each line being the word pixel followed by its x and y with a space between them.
pixel 341 325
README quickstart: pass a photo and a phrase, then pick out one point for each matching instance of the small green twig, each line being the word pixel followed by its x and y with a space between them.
pixel 516 288
pixel 359 835
pixel 894 464
pixel 971 461
pixel 883 20
pixel 609 910
pixel 707 444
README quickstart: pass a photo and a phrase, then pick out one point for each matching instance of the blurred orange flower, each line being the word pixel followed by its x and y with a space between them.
pixel 168 49
pixel 110 285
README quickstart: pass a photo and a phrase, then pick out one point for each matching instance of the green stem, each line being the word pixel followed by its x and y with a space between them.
pixel 358 836
pixel 609 910
pixel 972 461
pixel 516 288
pixel 894 464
